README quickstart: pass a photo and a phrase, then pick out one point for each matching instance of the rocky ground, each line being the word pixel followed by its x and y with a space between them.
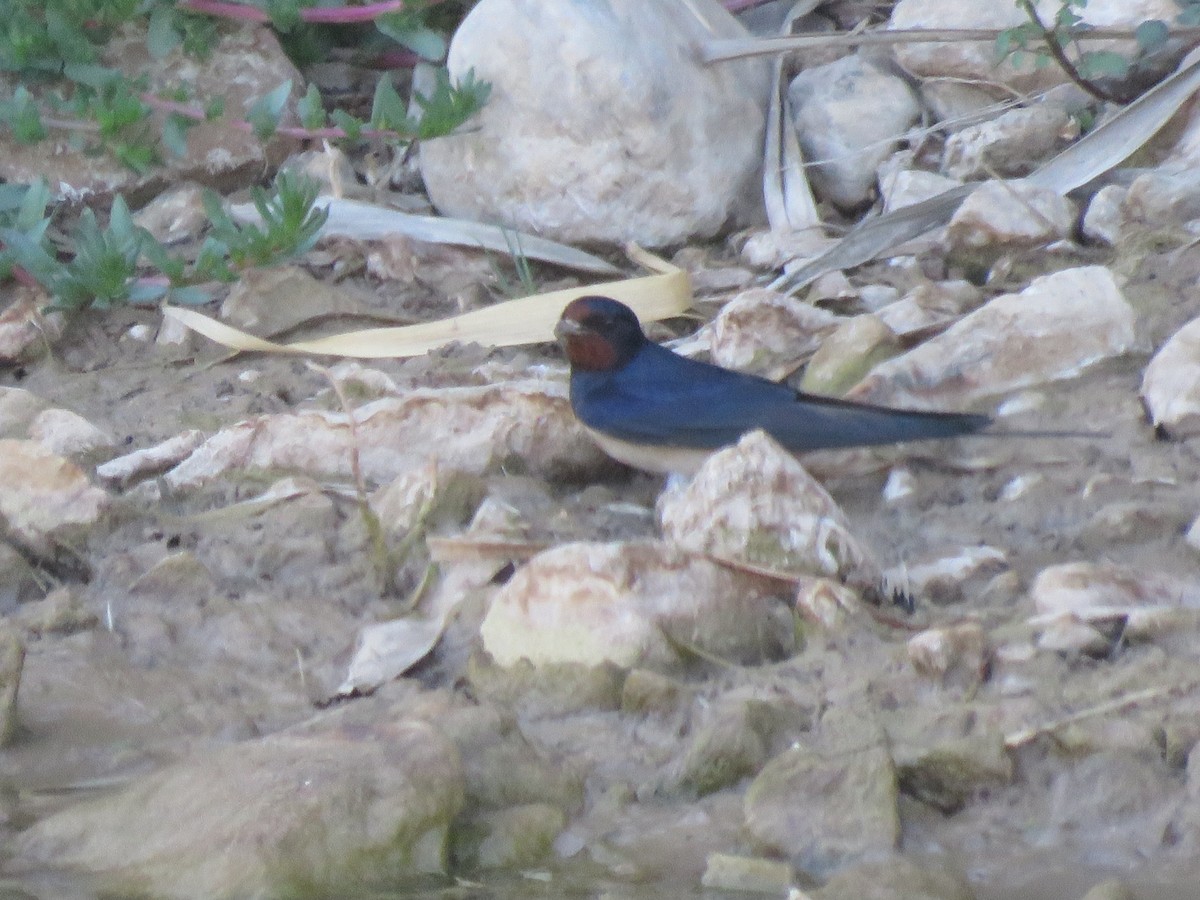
pixel 399 627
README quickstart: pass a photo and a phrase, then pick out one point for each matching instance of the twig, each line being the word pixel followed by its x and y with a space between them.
pixel 1023 736
pixel 740 48
pixel 1054 48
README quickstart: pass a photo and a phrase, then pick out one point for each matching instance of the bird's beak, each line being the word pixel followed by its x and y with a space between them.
pixel 567 327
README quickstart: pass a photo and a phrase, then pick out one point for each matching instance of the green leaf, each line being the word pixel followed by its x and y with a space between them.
pixel 1103 63
pixel 408 29
pixel 285 14
pixel 190 296
pixel 94 76
pixel 267 110
pixel 311 109
pixel 349 124
pixel 144 292
pixel 1151 35
pixel 174 133
pixel 388 111
pixel 23 117
pixel 451 104
pixel 162 36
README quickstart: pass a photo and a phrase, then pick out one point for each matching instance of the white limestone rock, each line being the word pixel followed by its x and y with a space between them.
pixel 602 125
pixel 850 115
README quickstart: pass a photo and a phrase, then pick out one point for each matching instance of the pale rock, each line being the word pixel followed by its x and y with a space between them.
pixel 1011 145
pixel 947 773
pixel 906 187
pixel 777 248
pixel 750 874
pixel 1067 633
pixel 45 499
pixel 874 297
pixel 149 461
pixel 849 353
pixel 1053 329
pixel 830 286
pixel 975 61
pixel 141 332
pixel 426 498
pixel 242 65
pixel 175 215
pixel 955 104
pixel 602 125
pixel 1016 488
pixel 901 484
pixel 906 316
pixel 826 603
pixel 18 409
pixel 69 434
pixel 26 332
pixel 754 506
pixel 1002 216
pixel 1193 535
pixel 949 298
pixel 173 333
pixel 332 813
pixel 933 304
pixel 1171 383
pixel 765 333
pixel 950 652
pixel 473 429
pixel 1111 889
pixel 270 300
pixel 615 603
pixel 1146 604
pixel 850 115
pixel 897 878
pixel 1104 217
pixel 829 802
pixel 518 836
pixel 1162 198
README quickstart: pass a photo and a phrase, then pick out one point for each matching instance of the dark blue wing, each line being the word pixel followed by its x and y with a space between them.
pixel 665 399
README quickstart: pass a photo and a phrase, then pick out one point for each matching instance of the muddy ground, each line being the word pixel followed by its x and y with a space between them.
pixel 152 668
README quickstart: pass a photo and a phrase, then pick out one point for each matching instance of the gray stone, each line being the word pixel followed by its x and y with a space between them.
pixel 288 815
pixel 44 498
pixel 850 115
pixel 1004 216
pixel 602 125
pixel 1009 145
pixel 1055 328
pixel 894 879
pixel 827 804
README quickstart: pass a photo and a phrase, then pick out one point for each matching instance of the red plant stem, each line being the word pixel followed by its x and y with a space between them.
pixel 338 15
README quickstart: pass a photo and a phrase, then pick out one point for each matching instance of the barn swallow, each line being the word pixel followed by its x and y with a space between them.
pixel 655 410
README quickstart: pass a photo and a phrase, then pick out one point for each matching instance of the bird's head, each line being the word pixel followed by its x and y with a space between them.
pixel 599 334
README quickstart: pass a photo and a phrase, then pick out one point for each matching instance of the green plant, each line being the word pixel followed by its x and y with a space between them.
pixel 54 51
pixel 95 266
pixel 1093 70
